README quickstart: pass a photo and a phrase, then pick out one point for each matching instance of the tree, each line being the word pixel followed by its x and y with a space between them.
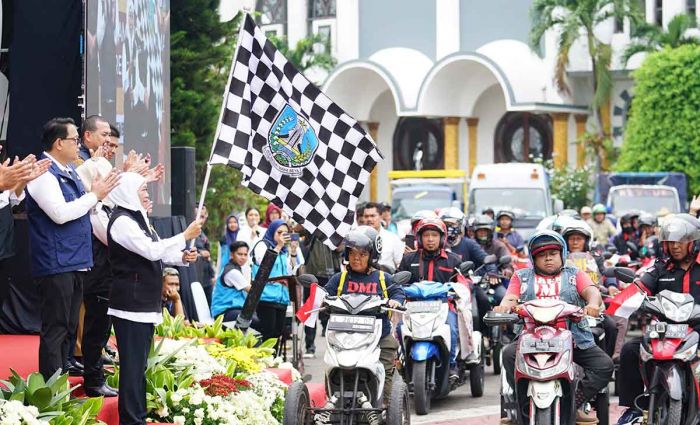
pixel 663 132
pixel 310 52
pixel 651 37
pixel 573 19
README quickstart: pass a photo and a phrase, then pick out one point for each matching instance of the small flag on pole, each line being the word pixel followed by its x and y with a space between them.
pixel 305 314
pixel 293 145
pixel 626 302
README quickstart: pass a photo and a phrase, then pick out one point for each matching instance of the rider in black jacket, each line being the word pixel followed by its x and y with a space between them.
pixel 680 272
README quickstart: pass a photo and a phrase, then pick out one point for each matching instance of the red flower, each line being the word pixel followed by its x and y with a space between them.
pixel 223 385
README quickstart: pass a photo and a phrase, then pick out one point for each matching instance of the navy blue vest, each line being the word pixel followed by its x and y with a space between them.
pixel 59 248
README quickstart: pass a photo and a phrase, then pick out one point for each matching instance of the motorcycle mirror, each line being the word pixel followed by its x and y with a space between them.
pixel 624 274
pixel 607 255
pixel 466 266
pixel 307 280
pixel 632 247
pixel 506 259
pixel 401 278
pixel 612 250
pixel 490 259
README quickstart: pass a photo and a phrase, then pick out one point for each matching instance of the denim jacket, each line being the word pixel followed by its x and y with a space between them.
pixel 583 338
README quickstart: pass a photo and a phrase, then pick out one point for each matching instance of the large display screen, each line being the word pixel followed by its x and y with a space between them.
pixel 128 78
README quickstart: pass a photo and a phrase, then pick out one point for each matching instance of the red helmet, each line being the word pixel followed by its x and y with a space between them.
pixel 431 224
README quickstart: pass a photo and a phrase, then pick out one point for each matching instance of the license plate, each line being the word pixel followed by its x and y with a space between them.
pixel 542 346
pixel 423 306
pixel 349 323
pixel 665 330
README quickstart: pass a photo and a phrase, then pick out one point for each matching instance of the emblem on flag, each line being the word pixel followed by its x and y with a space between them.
pixel 291 143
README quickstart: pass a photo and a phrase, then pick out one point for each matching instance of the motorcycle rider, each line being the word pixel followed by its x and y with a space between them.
pixel 578 235
pixel 628 234
pixel 505 232
pixel 649 245
pixel 433 263
pixel 484 227
pixel 680 272
pixel 551 278
pixel 362 276
pixel 466 248
pixel 602 228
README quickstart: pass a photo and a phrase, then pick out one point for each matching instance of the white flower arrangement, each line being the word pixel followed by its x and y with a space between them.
pixel 13 412
pixel 203 365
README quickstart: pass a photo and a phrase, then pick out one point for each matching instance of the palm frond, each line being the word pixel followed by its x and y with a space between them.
pixel 677 27
pixel 567 37
pixel 634 48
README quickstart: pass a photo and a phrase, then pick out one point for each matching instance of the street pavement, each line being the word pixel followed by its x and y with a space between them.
pixel 459 408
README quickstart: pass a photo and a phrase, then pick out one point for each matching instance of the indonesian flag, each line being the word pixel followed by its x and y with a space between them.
pixel 305 313
pixel 626 302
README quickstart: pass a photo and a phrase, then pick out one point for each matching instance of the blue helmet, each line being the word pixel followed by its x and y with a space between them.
pixel 544 238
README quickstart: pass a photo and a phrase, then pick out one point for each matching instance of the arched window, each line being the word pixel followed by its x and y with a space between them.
pixel 521 136
pixel 419 144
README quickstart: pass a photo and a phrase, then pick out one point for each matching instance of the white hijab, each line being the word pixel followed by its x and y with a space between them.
pixel 89 169
pixel 126 194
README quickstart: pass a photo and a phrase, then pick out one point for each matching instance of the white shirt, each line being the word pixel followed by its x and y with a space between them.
pixel 392 249
pixel 9 197
pixel 99 221
pixel 48 195
pixel 235 279
pixel 127 233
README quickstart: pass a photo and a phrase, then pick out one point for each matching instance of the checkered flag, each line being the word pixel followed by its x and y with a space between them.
pixel 293 145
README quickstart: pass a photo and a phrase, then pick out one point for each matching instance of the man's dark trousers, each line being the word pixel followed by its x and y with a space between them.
pixel 630 383
pixel 134 342
pixel 96 327
pixel 61 295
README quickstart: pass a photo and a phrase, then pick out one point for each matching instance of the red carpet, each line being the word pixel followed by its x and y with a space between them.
pixel 21 353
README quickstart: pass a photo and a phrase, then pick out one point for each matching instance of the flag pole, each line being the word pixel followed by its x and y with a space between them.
pixel 205 184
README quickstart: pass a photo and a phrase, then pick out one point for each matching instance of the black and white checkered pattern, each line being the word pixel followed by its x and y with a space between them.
pixel 262 82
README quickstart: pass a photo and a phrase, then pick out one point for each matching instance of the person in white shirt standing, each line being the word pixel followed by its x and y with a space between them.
pixel 58 209
pixel 136 257
pixel 391 250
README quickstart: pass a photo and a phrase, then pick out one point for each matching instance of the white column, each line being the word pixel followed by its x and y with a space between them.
pixel 348 29
pixel 650 11
pixel 671 9
pixel 447 30
pixel 297 23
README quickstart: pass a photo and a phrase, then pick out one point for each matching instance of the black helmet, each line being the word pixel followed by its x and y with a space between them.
pixel 364 238
pixel 505 213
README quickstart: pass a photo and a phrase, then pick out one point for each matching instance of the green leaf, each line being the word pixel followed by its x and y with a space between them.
pixel 41 398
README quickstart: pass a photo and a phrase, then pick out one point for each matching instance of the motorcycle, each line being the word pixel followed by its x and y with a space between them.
pixel 426 342
pixel 546 377
pixel 497 336
pixel 669 360
pixel 354 375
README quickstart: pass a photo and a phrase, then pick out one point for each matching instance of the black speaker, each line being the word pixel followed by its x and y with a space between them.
pixel 182 182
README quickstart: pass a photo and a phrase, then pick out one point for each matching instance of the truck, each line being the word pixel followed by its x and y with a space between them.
pixel 413 191
pixel 522 188
pixel 655 193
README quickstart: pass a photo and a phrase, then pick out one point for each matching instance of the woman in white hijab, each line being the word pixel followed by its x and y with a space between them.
pixel 136 256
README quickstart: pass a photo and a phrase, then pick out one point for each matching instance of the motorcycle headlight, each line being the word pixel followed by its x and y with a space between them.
pixel 677 314
pixel 349 340
pixel 686 354
pixel 558 368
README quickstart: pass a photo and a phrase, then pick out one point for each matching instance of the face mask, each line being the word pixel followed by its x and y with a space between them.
pixel 627 229
pixel 453 235
pixel 482 241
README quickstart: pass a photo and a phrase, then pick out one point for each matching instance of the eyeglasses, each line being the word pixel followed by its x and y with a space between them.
pixel 75 139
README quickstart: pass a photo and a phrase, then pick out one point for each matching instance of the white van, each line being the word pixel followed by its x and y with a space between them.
pixel 521 188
